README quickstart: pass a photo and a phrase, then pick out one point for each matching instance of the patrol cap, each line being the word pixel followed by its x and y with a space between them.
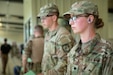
pixel 83 7
pixel 49 9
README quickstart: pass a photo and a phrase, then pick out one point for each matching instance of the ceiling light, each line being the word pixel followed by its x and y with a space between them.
pixel 0 24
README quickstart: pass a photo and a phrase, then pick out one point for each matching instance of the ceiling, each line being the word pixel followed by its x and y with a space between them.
pixel 20 1
pixel 11 15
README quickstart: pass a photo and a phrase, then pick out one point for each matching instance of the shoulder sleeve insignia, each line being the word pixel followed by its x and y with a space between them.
pixel 66 47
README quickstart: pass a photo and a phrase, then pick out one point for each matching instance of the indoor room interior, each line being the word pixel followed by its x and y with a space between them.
pixel 18 17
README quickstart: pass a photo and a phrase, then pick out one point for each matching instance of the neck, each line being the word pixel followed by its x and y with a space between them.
pixel 38 35
pixel 87 36
pixel 53 26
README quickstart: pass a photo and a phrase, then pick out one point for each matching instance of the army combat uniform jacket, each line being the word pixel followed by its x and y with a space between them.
pixel 57 44
pixel 92 58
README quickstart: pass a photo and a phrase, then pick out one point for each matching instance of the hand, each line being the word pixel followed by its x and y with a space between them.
pixel 24 70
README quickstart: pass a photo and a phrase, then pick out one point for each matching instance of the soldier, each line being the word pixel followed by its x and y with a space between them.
pixel 58 42
pixel 34 50
pixel 92 55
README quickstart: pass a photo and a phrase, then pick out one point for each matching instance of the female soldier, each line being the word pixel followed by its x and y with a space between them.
pixel 92 55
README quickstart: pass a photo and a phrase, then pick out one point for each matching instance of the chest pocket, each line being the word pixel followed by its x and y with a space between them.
pixel 94 63
pixel 53 57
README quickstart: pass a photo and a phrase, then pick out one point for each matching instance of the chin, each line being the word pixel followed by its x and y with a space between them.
pixel 45 27
pixel 75 31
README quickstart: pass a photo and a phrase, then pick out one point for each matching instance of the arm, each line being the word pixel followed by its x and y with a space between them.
pixel 108 63
pixel 26 54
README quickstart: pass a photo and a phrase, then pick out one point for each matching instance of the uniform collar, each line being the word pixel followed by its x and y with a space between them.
pixel 88 47
pixel 53 33
pixel 40 36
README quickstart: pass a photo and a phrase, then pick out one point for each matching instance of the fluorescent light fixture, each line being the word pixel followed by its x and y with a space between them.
pixel 0 24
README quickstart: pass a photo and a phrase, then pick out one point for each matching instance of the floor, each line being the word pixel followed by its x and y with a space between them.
pixel 12 62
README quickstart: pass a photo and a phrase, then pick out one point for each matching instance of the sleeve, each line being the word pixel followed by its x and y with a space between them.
pixel 63 46
pixel 26 54
pixel 28 48
pixel 9 47
pixel 107 66
pixel 68 64
pixel 1 48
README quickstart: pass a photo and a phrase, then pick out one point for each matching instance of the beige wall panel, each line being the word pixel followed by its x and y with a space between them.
pixel 110 4
pixel 27 10
pixel 67 4
pixel 110 31
pixel 110 23
pixel 11 36
pixel 38 6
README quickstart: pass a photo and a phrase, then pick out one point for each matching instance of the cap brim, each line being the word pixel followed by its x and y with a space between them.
pixel 72 12
pixel 67 13
pixel 38 15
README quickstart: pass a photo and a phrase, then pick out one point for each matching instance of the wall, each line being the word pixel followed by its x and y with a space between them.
pixel 11 8
pixel 110 21
pixel 27 10
pixel 29 15
pixel 110 25
pixel 11 36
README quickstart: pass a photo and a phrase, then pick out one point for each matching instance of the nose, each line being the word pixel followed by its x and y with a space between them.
pixel 70 22
pixel 42 20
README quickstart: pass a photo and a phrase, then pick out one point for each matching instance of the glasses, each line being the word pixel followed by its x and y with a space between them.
pixel 44 17
pixel 73 19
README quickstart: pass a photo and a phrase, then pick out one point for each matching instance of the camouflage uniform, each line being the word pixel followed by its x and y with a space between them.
pixel 57 44
pixel 34 50
pixel 92 58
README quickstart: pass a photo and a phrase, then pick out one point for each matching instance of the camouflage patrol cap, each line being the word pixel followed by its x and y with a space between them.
pixel 83 7
pixel 49 9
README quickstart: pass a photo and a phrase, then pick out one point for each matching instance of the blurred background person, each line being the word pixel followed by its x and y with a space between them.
pixel 33 52
pixel 5 49
pixel 14 50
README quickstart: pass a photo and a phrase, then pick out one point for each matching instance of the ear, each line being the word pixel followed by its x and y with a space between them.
pixel 90 19
pixel 54 17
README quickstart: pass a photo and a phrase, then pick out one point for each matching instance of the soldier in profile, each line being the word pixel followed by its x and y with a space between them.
pixel 92 55
pixel 58 42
